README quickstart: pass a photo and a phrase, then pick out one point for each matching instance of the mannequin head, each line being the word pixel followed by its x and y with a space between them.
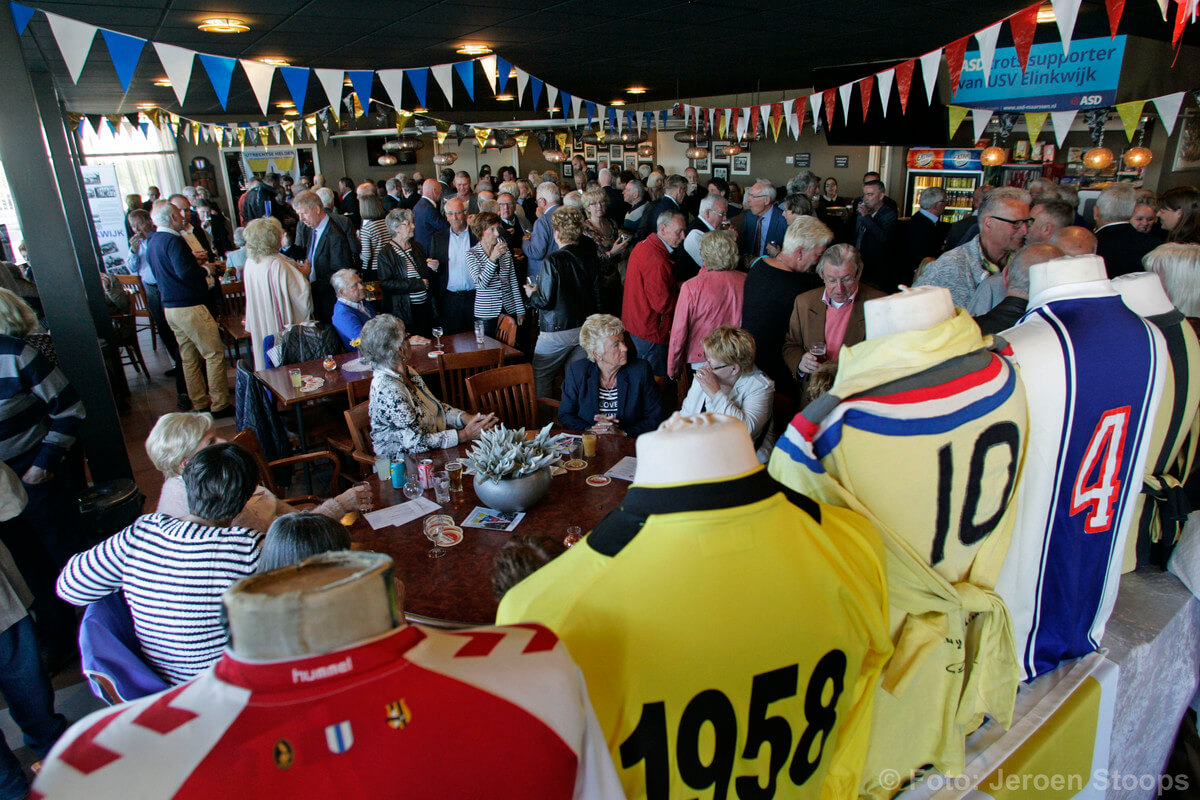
pixel 698 447
pixel 911 310
pixel 1065 271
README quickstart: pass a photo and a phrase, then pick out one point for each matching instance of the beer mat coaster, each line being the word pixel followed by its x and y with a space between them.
pixel 450 537
pixel 436 353
pixel 555 471
pixel 310 383
pixel 598 480
pixel 356 365
pixel 576 463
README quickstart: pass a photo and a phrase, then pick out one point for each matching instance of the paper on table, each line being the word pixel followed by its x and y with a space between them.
pixel 492 519
pixel 623 469
pixel 400 514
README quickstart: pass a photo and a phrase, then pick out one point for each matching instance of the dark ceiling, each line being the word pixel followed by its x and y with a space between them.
pixel 594 49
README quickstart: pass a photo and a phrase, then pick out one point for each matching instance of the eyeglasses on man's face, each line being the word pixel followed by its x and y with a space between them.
pixel 1017 223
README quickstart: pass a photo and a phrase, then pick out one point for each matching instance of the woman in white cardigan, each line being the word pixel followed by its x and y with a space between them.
pixel 729 383
pixel 277 291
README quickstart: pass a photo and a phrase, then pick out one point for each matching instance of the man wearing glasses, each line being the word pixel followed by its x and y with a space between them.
pixel 762 223
pixel 1003 222
pixel 713 210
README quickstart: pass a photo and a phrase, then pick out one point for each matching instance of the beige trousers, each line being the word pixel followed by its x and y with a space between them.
pixel 200 338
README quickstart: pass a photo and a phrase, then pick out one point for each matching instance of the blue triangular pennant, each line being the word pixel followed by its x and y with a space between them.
pixel 125 51
pixel 466 73
pixel 663 117
pixel 647 119
pixel 220 73
pixel 362 79
pixel 83 121
pixel 612 119
pixel 419 78
pixel 502 70
pixel 535 86
pixel 21 16
pixel 591 110
pixel 296 79
pixel 565 102
pixel 145 126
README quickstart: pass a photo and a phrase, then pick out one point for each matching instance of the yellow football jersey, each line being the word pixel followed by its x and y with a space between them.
pixel 731 635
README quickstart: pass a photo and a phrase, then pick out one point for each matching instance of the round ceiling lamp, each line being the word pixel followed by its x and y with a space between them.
pixel 474 49
pixel 590 137
pixel 636 90
pixel 645 150
pixel 695 152
pixel 386 160
pixel 732 149
pixel 1097 158
pixel 1138 156
pixel 409 144
pixel 445 159
pixel 631 137
pixel 223 25
pixel 554 155
pixel 993 156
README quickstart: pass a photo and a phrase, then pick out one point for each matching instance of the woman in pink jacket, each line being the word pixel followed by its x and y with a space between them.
pixel 706 302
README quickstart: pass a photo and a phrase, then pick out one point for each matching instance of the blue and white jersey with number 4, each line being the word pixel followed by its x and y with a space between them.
pixel 1093 373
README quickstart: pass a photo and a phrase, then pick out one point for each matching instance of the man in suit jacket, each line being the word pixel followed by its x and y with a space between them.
pixel 761 224
pixel 617 207
pixel 453 286
pixel 925 233
pixel 320 243
pixel 541 237
pixel 674 193
pixel 393 199
pixel 427 220
pixel 712 211
pixel 832 315
pixel 875 229
pixel 347 203
pixel 1117 241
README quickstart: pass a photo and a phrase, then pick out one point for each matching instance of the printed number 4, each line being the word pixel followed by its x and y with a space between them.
pixel 1103 457
pixel 648 741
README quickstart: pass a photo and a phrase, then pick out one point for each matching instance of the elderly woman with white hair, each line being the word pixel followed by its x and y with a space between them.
pixel 277 291
pixel 176 437
pixel 1177 265
pixel 609 392
pixel 405 416
pixel 706 302
pixel 729 383
pixel 236 259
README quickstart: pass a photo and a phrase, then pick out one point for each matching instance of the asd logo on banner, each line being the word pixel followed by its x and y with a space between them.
pixel 1086 78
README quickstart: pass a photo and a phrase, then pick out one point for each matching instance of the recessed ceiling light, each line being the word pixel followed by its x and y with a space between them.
pixel 617 102
pixel 420 110
pixel 554 109
pixel 275 61
pixel 223 25
pixel 1045 14
pixel 636 90
pixel 291 112
pixel 165 82
pixel 474 49
pixel 512 73
pixel 504 97
pixel 146 106
pixel 285 104
pixel 347 82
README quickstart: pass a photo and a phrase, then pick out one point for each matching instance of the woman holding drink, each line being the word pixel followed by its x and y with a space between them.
pixel 491 265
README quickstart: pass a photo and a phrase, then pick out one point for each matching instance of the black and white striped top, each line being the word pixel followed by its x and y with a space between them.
pixel 173 573
pixel 410 271
pixel 496 285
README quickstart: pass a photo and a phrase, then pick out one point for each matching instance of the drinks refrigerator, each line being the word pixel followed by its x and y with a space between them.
pixel 958 171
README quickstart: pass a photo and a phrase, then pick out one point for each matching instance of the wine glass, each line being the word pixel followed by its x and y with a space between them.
pixel 412 489
pixel 434 525
pixel 437 334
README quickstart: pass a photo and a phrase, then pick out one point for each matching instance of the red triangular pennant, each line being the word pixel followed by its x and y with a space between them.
pixel 731 130
pixel 1181 16
pixel 1023 25
pixel 1115 9
pixel 955 51
pixel 776 113
pixel 829 99
pixel 866 88
pixel 755 118
pixel 904 73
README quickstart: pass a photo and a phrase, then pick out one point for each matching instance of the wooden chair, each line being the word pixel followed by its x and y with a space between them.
pixel 358 422
pixel 129 350
pixel 507 392
pixel 139 307
pixel 234 295
pixel 506 330
pixel 248 440
pixel 455 368
pixel 357 392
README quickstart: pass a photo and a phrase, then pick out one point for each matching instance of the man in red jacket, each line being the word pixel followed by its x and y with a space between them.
pixel 650 293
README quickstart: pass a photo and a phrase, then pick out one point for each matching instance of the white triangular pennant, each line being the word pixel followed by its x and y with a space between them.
pixel 687 115
pixel 728 114
pixel 444 75
pixel 765 113
pixel 1061 120
pixel 884 79
pixel 522 82
pixel 331 82
pixel 1168 109
pixel 620 121
pixel 1162 6
pixel 930 64
pixel 980 118
pixel 789 117
pixel 712 117
pixel 743 122
pixel 177 63
pixel 844 92
pixel 551 96
pixel 815 100
pixel 276 130
pixel 489 69
pixel 576 102
pixel 601 114
pixel 259 75
pixel 987 49
pixel 393 84
pixel 638 118
pixel 74 40
pixel 1065 12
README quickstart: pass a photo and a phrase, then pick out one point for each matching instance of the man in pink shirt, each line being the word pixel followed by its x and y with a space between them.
pixel 832 315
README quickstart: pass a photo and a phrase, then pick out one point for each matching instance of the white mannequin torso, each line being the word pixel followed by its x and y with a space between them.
pixel 699 447
pixel 1143 292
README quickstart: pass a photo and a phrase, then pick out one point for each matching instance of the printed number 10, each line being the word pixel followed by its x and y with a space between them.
pixel 648 742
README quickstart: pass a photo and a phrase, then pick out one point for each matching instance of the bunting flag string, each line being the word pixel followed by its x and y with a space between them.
pixel 865 87
pixel 419 78
pixel 124 51
pixel 956 52
pixel 956 115
pixel 74 41
pixel 1034 121
pixel 1065 13
pixel 259 75
pixel 393 84
pixel 21 16
pixel 296 80
pixel 1023 25
pixel 929 71
pixel 1130 114
pixel 220 73
pixel 987 49
pixel 904 73
pixel 331 82
pixel 979 119
pixel 885 87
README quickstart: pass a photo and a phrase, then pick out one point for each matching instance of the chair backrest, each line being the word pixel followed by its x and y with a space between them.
pixel 132 286
pixel 508 392
pixel 357 391
pixel 455 368
pixel 235 297
pixel 246 438
pixel 358 422
pixel 506 330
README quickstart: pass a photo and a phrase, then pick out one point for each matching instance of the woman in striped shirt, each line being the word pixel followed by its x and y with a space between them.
pixel 373 235
pixel 174 571
pixel 491 265
pixel 404 275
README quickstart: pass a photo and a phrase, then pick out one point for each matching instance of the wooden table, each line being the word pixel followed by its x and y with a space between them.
pixel 456 590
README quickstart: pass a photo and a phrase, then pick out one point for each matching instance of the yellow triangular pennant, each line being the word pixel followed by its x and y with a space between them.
pixel 561 138
pixel 289 130
pixel 311 124
pixel 957 115
pixel 358 109
pixel 481 136
pixel 441 136
pixel 264 135
pixel 721 125
pixel 402 118
pixel 1131 114
pixel 241 136
pixel 522 140
pixel 776 124
pixel 1034 122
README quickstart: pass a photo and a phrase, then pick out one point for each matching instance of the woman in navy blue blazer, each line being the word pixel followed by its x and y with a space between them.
pixel 609 392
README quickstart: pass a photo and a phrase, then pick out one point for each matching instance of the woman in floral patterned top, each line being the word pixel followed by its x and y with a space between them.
pixel 405 416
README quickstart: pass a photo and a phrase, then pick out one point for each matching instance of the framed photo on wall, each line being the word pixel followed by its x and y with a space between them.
pixel 589 152
pixel 567 170
pixel 1187 153
pixel 631 162
pixel 615 152
pixel 718 153
pixel 721 172
pixel 741 164
pixel 701 165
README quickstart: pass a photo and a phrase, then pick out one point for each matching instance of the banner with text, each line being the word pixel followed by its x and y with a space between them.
pixel 260 160
pixel 1086 78
pixel 108 214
